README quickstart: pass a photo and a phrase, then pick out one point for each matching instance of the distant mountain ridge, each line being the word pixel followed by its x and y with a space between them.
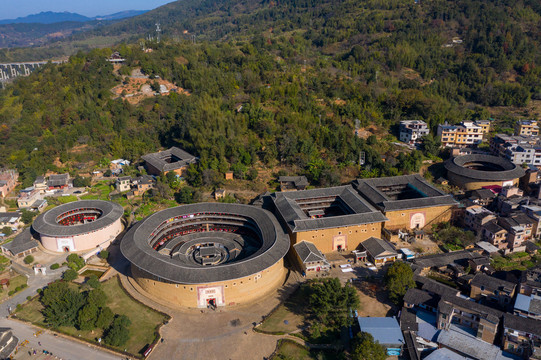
pixel 51 17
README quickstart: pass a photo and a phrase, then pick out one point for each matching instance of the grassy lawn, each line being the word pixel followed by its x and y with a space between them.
pixel 143 319
pixel 288 349
pixel 66 199
pixel 292 311
pixel 14 282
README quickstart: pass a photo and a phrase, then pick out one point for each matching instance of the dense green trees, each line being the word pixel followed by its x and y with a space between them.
pixel 398 279
pixel 332 303
pixel 61 304
pixel 365 348
pixel 289 96
pixel 67 306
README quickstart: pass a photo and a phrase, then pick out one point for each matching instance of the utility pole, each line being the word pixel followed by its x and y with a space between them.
pixel 158 31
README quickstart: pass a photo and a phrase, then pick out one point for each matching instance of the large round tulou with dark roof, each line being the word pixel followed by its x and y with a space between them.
pixel 207 254
pixel 79 226
pixel 474 171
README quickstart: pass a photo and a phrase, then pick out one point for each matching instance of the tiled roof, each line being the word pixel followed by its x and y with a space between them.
pixel 158 159
pixel 377 246
pixel 21 243
pixel 308 252
pixel 295 218
pixel 430 195
pixel 491 283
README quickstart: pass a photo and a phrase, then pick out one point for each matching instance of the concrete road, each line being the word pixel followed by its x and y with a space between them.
pixel 60 347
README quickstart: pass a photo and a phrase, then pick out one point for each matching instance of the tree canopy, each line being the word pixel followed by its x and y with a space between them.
pixel 398 279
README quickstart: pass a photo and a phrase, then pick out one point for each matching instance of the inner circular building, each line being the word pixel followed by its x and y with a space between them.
pixel 207 254
pixel 474 171
pixel 80 225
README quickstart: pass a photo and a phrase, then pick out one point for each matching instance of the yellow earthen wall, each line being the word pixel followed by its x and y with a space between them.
pixel 402 219
pixel 238 291
pixel 469 184
pixel 327 239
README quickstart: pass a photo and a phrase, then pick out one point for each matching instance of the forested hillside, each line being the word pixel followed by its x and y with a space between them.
pixel 281 83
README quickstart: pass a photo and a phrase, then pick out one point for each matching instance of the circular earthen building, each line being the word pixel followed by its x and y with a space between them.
pixel 207 254
pixel 474 171
pixel 79 226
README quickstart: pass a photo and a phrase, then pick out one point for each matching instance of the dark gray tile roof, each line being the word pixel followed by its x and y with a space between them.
pixel 411 345
pixel 434 286
pixel 417 297
pixel 21 243
pixel 490 283
pixel 408 320
pixel 136 248
pixel 431 196
pixel 482 194
pixel 297 220
pixel 308 252
pixel 58 180
pixel 486 312
pixel 377 246
pixel 46 223
pixel 7 216
pixel 158 159
pixel 297 180
pixel 8 343
pixel 439 260
pixel 519 323
pixel 493 227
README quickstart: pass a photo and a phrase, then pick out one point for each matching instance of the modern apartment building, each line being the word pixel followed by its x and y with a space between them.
pixel 411 131
pixel 467 133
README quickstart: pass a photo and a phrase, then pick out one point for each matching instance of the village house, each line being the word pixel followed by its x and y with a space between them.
pixel 530 282
pixel 519 229
pixel 467 133
pixel 521 336
pixel 10 219
pixel 123 183
pixel 483 197
pixel 40 184
pixel 309 259
pixel 27 197
pixel 379 252
pixel 8 181
pixel 495 234
pixel 21 246
pixel 528 306
pixel 292 183
pixel 59 181
pixel 491 289
pixel 475 218
pixel 412 131
pixel 526 128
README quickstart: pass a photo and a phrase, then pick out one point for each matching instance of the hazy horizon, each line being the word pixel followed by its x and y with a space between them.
pixel 13 10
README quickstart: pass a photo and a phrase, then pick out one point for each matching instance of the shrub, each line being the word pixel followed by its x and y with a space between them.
pixel 93 281
pixel 11 292
pixel 29 298
pixel 29 259
pixel 104 254
pixel 18 288
pixel 70 275
pixel 24 286
pixel 55 266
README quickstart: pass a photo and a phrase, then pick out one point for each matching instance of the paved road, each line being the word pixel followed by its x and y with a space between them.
pixel 61 347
